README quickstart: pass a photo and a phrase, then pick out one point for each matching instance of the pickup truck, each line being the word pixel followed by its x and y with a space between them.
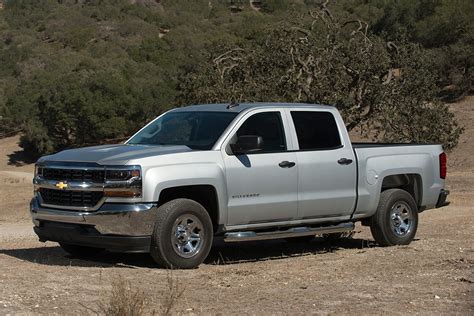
pixel 236 172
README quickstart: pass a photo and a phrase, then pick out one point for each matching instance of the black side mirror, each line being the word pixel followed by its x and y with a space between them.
pixel 247 144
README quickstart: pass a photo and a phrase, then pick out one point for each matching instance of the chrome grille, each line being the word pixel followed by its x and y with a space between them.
pixel 71 198
pixel 81 175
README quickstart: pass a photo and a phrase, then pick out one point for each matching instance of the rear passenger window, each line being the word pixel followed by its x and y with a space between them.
pixel 316 130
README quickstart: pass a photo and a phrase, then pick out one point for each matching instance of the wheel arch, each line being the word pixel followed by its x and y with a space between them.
pixel 410 182
pixel 204 194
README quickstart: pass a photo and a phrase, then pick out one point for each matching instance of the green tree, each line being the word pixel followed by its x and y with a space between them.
pixel 382 87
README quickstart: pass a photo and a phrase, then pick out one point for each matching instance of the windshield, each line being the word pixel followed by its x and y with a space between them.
pixel 197 130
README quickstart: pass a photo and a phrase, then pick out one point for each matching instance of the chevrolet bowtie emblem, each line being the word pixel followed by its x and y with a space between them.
pixel 61 185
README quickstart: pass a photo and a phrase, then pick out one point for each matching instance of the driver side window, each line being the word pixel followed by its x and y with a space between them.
pixel 267 125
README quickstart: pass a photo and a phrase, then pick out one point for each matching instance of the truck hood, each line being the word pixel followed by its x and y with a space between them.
pixel 112 154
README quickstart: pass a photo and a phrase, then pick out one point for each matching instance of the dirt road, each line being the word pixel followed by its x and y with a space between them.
pixel 434 274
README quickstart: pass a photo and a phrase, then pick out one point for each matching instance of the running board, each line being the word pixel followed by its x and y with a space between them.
pixel 291 232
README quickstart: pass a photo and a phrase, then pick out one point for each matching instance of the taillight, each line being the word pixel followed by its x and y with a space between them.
pixel 442 166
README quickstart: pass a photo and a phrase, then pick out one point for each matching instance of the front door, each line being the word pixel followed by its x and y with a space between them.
pixel 262 186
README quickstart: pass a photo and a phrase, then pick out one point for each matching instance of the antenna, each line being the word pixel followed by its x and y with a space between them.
pixel 232 104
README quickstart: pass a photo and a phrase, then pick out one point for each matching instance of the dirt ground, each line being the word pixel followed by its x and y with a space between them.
pixel 432 275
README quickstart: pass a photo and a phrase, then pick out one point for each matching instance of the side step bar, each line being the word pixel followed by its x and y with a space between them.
pixel 291 232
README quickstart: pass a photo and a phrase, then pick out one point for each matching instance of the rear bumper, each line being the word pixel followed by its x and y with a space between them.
pixel 114 226
pixel 443 195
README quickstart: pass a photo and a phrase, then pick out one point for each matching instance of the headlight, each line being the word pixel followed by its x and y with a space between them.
pixel 122 175
pixel 38 171
pixel 125 182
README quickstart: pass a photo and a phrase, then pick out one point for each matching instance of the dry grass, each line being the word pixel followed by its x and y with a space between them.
pixel 126 300
pixel 13 180
pixel 123 300
pixel 171 296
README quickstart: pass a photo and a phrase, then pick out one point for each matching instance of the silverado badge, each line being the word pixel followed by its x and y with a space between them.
pixel 61 185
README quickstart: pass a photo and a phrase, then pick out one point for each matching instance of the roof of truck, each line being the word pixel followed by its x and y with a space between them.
pixel 239 107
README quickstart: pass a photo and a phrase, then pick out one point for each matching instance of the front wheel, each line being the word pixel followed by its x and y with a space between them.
pixel 396 219
pixel 182 237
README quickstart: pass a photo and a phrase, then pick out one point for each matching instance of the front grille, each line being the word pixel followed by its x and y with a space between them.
pixel 71 198
pixel 74 175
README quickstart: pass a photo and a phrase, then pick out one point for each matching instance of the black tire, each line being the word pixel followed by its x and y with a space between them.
pixel 384 229
pixel 80 251
pixel 164 245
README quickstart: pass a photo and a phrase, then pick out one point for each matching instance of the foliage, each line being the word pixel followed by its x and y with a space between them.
pixel 445 29
pixel 337 63
pixel 78 72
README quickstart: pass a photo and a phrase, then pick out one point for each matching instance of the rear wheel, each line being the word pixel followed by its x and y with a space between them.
pixel 182 237
pixel 396 219
pixel 80 251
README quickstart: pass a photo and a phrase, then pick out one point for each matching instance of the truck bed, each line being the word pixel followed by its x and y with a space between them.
pixel 378 161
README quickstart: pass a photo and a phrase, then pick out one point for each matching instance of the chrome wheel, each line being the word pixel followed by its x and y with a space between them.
pixel 401 219
pixel 188 235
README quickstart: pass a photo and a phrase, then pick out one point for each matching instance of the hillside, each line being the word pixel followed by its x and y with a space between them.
pixel 75 73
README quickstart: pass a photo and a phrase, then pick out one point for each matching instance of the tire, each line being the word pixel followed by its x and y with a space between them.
pixel 183 233
pixel 396 219
pixel 80 251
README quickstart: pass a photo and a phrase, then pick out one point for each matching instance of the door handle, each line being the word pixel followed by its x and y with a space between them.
pixel 287 164
pixel 344 161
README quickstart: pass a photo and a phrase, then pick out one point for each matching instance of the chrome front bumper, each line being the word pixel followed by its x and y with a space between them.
pixel 137 219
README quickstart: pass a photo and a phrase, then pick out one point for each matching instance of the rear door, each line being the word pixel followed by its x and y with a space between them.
pixel 326 164
pixel 262 186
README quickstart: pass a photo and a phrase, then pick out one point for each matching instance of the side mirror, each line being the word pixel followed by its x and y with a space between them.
pixel 247 144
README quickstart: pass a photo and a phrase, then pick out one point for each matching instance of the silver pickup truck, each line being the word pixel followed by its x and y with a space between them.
pixel 233 171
